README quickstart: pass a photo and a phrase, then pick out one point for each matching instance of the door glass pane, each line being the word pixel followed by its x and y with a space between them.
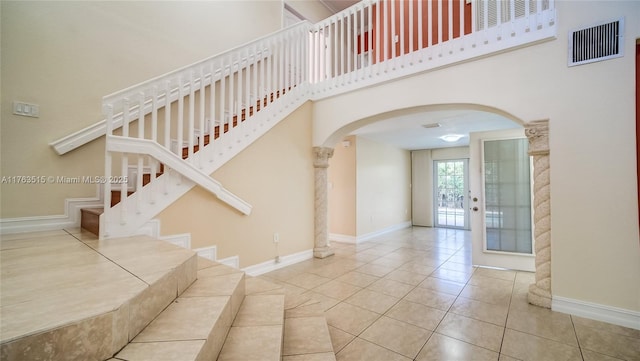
pixel 451 186
pixel 507 196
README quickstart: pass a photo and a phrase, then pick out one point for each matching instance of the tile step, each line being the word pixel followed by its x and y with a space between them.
pixel 195 325
pixel 275 325
pixel 90 298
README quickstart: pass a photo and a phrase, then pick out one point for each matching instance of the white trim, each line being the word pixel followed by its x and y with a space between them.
pixel 182 240
pixel 210 253
pixel 233 261
pixel 370 235
pixel 598 312
pixel 343 238
pixel 70 218
pixel 269 266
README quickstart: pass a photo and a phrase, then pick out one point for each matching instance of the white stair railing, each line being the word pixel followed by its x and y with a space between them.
pixel 206 112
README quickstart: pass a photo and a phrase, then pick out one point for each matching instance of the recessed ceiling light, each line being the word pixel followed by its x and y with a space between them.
pixel 450 138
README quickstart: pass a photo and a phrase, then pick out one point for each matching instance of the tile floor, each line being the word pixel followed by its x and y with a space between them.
pixel 414 295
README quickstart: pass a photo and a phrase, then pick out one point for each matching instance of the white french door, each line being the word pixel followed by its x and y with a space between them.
pixel 451 190
pixel 501 204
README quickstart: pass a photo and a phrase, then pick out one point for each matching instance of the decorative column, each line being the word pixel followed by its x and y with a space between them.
pixel 538 134
pixel 321 163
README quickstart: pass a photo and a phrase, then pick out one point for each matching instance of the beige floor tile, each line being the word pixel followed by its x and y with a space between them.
pixel 487 295
pixel 372 301
pixel 504 357
pixel 254 285
pixel 390 287
pixel 309 310
pixel 409 278
pixel 440 285
pixel 255 343
pixel 338 290
pixel 507 275
pixel 491 282
pixel 188 319
pixel 460 267
pixel 544 323
pixel 479 333
pixel 339 338
pixel 306 335
pixel 449 275
pixel 215 286
pixel 589 355
pixel 417 267
pixel 308 280
pixel 161 351
pixel 357 279
pixel 527 347
pixel 359 350
pixel 397 336
pixel 325 356
pixel 608 343
pixel 496 314
pixel 427 297
pixel 260 310
pixel 391 262
pixel 349 318
pixel 624 331
pixel 375 269
pixel 443 348
pixel 416 314
pixel 325 302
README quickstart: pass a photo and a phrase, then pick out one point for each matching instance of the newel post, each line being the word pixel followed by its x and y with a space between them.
pixel 538 134
pixel 321 225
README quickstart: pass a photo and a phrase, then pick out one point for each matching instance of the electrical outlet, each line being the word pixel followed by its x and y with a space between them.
pixel 276 237
pixel 26 109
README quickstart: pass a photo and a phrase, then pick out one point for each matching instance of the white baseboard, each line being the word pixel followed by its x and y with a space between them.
pixel 233 261
pixel 368 236
pixel 598 312
pixel 210 253
pixel 70 218
pixel 342 238
pixel 269 266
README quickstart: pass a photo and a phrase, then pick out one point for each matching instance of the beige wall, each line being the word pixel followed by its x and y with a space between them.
pixel 275 175
pixel 65 56
pixel 591 108
pixel 312 10
pixel 342 189
pixel 383 184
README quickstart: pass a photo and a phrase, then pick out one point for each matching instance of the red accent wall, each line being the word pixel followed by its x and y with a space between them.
pixel 638 122
pixel 429 9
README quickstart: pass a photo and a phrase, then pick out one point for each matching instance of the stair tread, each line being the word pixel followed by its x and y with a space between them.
pixel 97 211
pixel 198 320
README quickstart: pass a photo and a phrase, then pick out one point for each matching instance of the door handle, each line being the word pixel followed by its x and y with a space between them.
pixel 475 209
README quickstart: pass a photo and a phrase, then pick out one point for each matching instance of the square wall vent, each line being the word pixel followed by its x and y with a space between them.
pixel 599 42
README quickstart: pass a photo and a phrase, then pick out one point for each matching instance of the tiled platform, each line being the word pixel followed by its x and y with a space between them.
pixel 67 296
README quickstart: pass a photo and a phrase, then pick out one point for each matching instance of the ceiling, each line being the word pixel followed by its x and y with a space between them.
pixel 338 5
pixel 408 131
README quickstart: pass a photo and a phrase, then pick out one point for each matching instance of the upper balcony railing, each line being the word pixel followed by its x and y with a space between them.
pixel 378 40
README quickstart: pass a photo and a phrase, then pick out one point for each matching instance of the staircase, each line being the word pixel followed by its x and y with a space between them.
pixel 139 298
pixel 90 217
